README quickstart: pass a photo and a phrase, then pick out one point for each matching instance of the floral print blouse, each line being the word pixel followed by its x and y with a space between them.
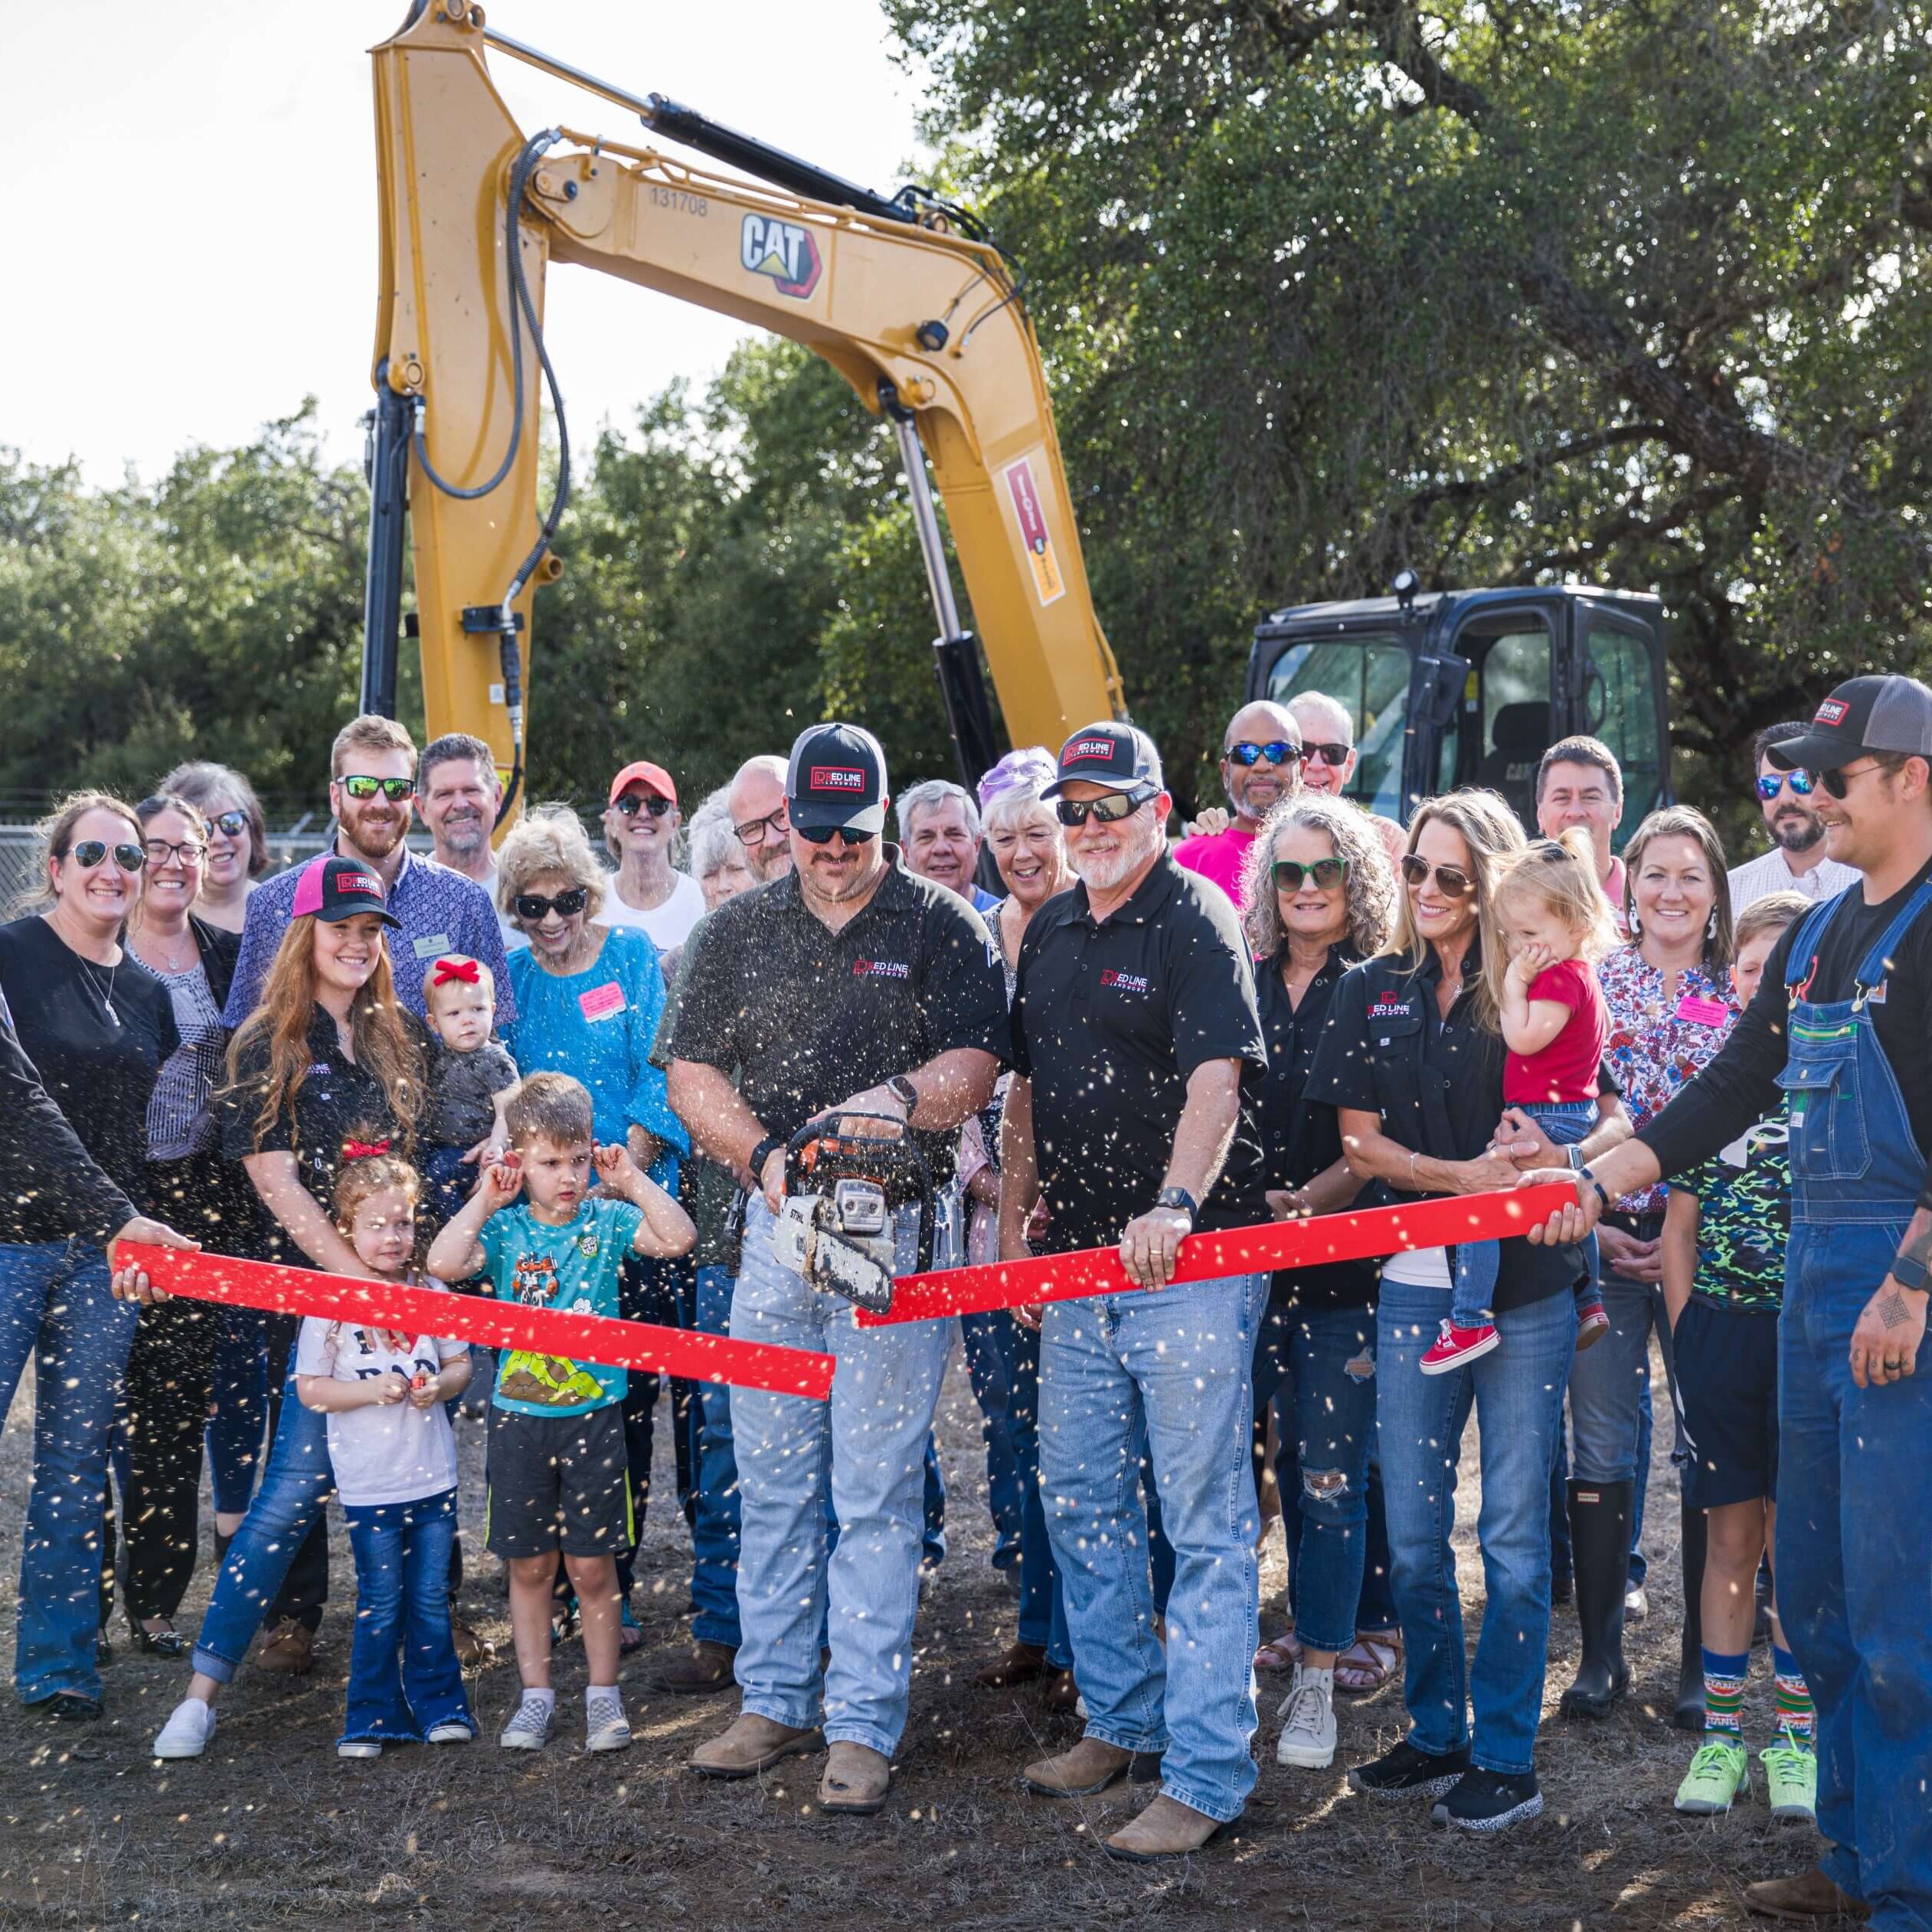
pixel 1654 1048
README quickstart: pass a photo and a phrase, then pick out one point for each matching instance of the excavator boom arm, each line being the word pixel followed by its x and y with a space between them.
pixel 922 320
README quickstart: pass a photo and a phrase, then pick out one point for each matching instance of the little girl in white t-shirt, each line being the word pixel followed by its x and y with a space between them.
pixel 394 1457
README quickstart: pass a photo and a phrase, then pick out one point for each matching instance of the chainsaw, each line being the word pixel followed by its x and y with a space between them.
pixel 846 1197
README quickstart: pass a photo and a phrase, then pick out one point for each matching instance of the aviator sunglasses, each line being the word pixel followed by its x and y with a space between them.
pixel 1835 782
pixel 90 852
pixel 1277 751
pixel 531 906
pixel 1116 805
pixel 1774 782
pixel 1326 872
pixel 1451 880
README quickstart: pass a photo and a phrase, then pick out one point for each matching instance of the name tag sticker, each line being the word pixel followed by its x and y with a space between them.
pixel 601 1002
pixel 1701 1011
pixel 432 946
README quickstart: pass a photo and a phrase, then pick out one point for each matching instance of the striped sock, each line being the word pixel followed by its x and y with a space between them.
pixel 1724 1696
pixel 1794 1711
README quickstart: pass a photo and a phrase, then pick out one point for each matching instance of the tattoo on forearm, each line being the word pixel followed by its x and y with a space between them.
pixel 1892 1311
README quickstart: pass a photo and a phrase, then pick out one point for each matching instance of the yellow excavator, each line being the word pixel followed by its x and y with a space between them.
pixel 906 297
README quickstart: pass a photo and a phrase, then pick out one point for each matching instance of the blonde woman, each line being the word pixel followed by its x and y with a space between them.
pixel 1413 1059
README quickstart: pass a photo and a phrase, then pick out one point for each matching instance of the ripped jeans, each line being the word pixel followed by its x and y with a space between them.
pixel 1317 1365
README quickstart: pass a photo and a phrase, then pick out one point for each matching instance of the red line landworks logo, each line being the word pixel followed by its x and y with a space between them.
pixel 881 969
pixel 1389 1009
pixel 359 882
pixel 1124 982
pixel 1831 711
pixel 837 778
pixel 1093 748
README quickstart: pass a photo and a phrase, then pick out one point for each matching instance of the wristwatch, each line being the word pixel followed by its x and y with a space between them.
pixel 1908 1274
pixel 761 1153
pixel 901 1088
pixel 1178 1198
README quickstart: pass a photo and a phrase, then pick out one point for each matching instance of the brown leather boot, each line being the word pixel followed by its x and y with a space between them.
pixel 699 1672
pixel 289 1649
pixel 1018 1663
pixel 856 1781
pixel 1166 1829
pixel 1087 1770
pixel 753 1744
pixel 1810 1895
pixel 1060 1693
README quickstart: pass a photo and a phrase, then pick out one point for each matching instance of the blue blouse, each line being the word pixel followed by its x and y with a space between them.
pixel 598 1026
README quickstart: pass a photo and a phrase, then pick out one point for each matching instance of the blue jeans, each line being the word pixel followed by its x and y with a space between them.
pixel 1174 1371
pixel 1854 1569
pixel 1317 1368
pixel 867 1445
pixel 990 1364
pixel 56 1305
pixel 295 1485
pixel 714 1499
pixel 404 1677
pixel 1519 1389
pixel 1564 1123
pixel 1043 1602
pixel 239 1415
pixel 449 1182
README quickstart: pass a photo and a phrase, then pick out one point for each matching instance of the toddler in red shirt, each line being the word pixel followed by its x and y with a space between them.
pixel 1557 923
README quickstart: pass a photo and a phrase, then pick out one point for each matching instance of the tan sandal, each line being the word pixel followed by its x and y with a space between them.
pixel 1368 1664
pixel 1281 1653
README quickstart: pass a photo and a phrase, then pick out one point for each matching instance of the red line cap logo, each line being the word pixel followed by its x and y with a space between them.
pixel 1831 711
pixel 836 778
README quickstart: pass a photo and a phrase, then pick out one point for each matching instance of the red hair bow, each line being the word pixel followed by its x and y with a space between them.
pixel 364 1150
pixel 467 971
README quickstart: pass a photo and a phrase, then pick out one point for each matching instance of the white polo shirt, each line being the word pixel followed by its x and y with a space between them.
pixel 1758 877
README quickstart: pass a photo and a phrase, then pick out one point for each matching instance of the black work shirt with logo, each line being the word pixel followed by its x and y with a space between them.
pixel 1109 1019
pixel 806 1017
pixel 1437 1083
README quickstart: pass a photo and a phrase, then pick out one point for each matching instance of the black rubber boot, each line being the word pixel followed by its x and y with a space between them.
pixel 1600 1530
pixel 1761 1635
pixel 1689 1713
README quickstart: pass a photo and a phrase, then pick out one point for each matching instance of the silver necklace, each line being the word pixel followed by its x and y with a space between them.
pixel 107 999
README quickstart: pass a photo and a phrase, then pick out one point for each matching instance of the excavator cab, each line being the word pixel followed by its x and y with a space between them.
pixel 1472 687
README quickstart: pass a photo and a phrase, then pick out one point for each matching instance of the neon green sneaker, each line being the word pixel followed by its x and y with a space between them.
pixel 1791 1781
pixel 1718 1773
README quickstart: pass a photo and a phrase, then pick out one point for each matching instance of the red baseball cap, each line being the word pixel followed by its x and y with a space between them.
pixel 643 772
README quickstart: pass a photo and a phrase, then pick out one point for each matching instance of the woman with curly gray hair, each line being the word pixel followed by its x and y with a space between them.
pixel 1320 896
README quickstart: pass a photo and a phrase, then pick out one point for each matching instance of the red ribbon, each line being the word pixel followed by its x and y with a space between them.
pixel 364 1150
pixel 1363 1237
pixel 474 1318
pixel 466 970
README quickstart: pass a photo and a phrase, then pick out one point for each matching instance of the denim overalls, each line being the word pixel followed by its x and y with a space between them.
pixel 1854 1466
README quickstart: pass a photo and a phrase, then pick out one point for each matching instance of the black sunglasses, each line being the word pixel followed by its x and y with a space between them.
pixel 531 906
pixel 1834 782
pixel 1327 874
pixel 630 805
pixel 1277 751
pixel 233 823
pixel 825 835
pixel 1115 806
pixel 1337 755
pixel 360 785
pixel 1451 880
pixel 90 852
pixel 1774 782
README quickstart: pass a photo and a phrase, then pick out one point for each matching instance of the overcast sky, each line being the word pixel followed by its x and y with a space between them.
pixel 193 233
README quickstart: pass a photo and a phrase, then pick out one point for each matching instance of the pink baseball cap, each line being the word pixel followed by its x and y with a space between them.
pixel 332 889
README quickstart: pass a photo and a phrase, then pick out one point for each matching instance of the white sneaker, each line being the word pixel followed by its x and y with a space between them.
pixel 1636 1604
pixel 188 1731
pixel 1308 1735
pixel 529 1728
pixel 359 1747
pixel 454 1732
pixel 605 1727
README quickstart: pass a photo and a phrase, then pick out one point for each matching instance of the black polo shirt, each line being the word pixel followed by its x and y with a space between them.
pixel 1110 1018
pixel 1437 1083
pixel 806 1017
pixel 1302 1138
pixel 337 1101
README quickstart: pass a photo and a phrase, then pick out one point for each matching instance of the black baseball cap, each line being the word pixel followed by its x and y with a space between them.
pixel 1889 713
pixel 332 889
pixel 1119 757
pixel 837 777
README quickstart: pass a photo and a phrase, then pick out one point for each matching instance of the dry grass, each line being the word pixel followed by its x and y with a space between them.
pixel 272 1830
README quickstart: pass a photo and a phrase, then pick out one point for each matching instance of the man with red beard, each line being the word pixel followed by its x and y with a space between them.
pixel 372 792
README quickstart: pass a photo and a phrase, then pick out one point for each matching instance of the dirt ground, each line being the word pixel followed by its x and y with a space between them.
pixel 270 1829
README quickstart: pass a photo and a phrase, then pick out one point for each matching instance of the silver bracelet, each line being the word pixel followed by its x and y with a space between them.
pixel 1412 1160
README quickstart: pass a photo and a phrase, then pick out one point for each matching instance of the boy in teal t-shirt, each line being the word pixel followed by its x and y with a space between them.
pixel 558 1476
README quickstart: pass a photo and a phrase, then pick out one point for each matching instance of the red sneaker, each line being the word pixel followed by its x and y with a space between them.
pixel 1455 1346
pixel 1592 1324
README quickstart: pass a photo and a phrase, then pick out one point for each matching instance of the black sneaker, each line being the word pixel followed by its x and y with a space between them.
pixel 1408 1772
pixel 1489 1801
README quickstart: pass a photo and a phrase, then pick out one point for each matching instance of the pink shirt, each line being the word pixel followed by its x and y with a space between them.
pixel 1221 856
